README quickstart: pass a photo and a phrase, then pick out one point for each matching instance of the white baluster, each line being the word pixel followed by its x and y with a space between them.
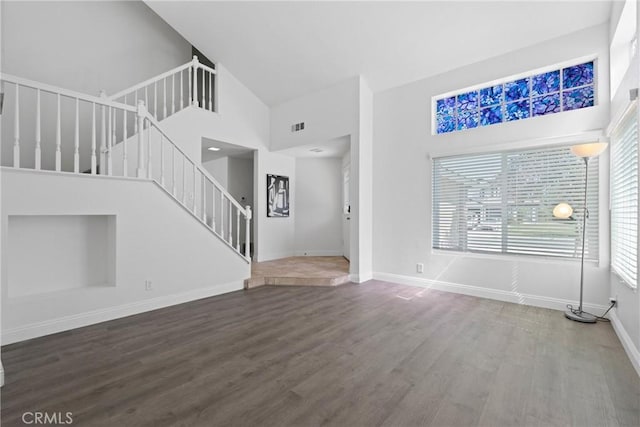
pixel 237 229
pixel 38 132
pixel 125 157
pixel 155 100
pixel 93 139
pixel 16 130
pixel 135 122
pixel 103 137
pixel 161 159
pixel 76 140
pixel 221 214
pixel 173 171
pixel 210 91
pixel 141 113
pixel 182 88
pixel 204 199
pixel 164 98
pixel 194 188
pixel 58 138
pixel 149 172
pixel 110 141
pixel 230 223
pixel 247 228
pixel 213 207
pixel 190 69
pixel 184 182
pixel 146 96
pixel 195 80
pixel 173 93
pixel 204 104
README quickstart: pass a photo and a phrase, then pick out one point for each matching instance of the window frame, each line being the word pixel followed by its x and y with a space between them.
pixel 523 75
pixel 523 146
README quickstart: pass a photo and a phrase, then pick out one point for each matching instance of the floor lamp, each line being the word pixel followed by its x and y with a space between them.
pixel 586 152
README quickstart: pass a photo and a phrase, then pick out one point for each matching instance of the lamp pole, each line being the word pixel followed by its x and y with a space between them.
pixel 586 152
pixel 579 315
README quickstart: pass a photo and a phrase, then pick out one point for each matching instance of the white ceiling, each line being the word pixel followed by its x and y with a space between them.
pixel 282 50
pixel 225 150
pixel 336 147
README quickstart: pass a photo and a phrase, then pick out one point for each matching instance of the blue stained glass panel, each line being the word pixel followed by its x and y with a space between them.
pixel 491 115
pixel 577 98
pixel 516 90
pixel 545 83
pixel 578 75
pixel 490 95
pixel 467 101
pixel 446 123
pixel 547 104
pixel 446 105
pixel 517 110
pixel 467 120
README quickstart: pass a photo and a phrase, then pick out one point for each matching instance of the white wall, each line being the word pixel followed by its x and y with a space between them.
pixel 318 220
pixel 219 169
pixel 240 180
pixel 404 146
pixel 627 310
pixel 155 239
pixel 74 45
pixel 276 236
pixel 337 111
pixel 327 114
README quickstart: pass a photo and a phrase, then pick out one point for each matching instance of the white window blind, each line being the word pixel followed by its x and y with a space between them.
pixel 624 198
pixel 503 203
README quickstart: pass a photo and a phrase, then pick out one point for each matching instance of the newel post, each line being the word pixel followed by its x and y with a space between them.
pixel 247 235
pixel 141 113
pixel 195 65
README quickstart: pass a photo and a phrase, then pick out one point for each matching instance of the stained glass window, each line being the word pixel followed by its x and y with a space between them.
pixel 564 89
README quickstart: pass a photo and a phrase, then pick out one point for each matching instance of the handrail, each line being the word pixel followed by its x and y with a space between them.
pixel 207 68
pixel 149 81
pixel 66 92
pixel 203 171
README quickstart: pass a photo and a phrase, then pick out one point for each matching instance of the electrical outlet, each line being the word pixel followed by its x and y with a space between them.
pixel 148 285
pixel 420 267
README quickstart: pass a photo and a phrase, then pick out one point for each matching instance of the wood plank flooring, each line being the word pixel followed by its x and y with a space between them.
pixel 376 354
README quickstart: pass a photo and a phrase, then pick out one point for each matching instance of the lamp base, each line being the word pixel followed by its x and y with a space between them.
pixel 580 316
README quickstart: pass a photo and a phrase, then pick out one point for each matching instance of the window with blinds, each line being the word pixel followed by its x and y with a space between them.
pixel 503 203
pixel 624 198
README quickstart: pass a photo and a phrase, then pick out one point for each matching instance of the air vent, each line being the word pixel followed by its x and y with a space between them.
pixel 297 127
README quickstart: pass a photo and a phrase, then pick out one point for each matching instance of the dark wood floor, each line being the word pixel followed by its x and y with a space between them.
pixel 357 355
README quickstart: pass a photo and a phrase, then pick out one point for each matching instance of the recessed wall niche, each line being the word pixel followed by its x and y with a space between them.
pixel 52 253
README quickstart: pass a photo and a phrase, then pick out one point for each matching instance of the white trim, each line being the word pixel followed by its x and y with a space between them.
pixel 312 252
pixel 361 278
pixel 625 339
pixel 477 291
pixel 1 374
pixel 274 255
pixel 66 323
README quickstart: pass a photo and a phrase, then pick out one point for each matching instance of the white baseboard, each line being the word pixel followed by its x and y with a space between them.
pixel 66 323
pixel 477 291
pixel 625 339
pixel 311 252
pixel 1 374
pixel 360 278
pixel 273 255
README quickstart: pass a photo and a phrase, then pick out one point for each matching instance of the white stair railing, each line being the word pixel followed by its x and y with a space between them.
pixel 190 84
pixel 62 130
pixel 193 187
pixel 88 134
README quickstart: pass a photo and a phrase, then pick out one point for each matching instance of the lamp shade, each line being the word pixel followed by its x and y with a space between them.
pixel 592 149
pixel 563 211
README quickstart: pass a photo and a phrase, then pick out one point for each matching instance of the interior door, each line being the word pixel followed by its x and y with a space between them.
pixel 346 211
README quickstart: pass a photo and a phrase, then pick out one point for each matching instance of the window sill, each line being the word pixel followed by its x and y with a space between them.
pixel 514 257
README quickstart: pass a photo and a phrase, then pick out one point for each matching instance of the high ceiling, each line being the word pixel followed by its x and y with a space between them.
pixel 282 50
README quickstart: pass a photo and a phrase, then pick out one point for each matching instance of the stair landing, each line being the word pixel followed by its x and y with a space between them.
pixel 300 271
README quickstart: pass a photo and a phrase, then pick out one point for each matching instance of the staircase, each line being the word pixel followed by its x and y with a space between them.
pixel 121 136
